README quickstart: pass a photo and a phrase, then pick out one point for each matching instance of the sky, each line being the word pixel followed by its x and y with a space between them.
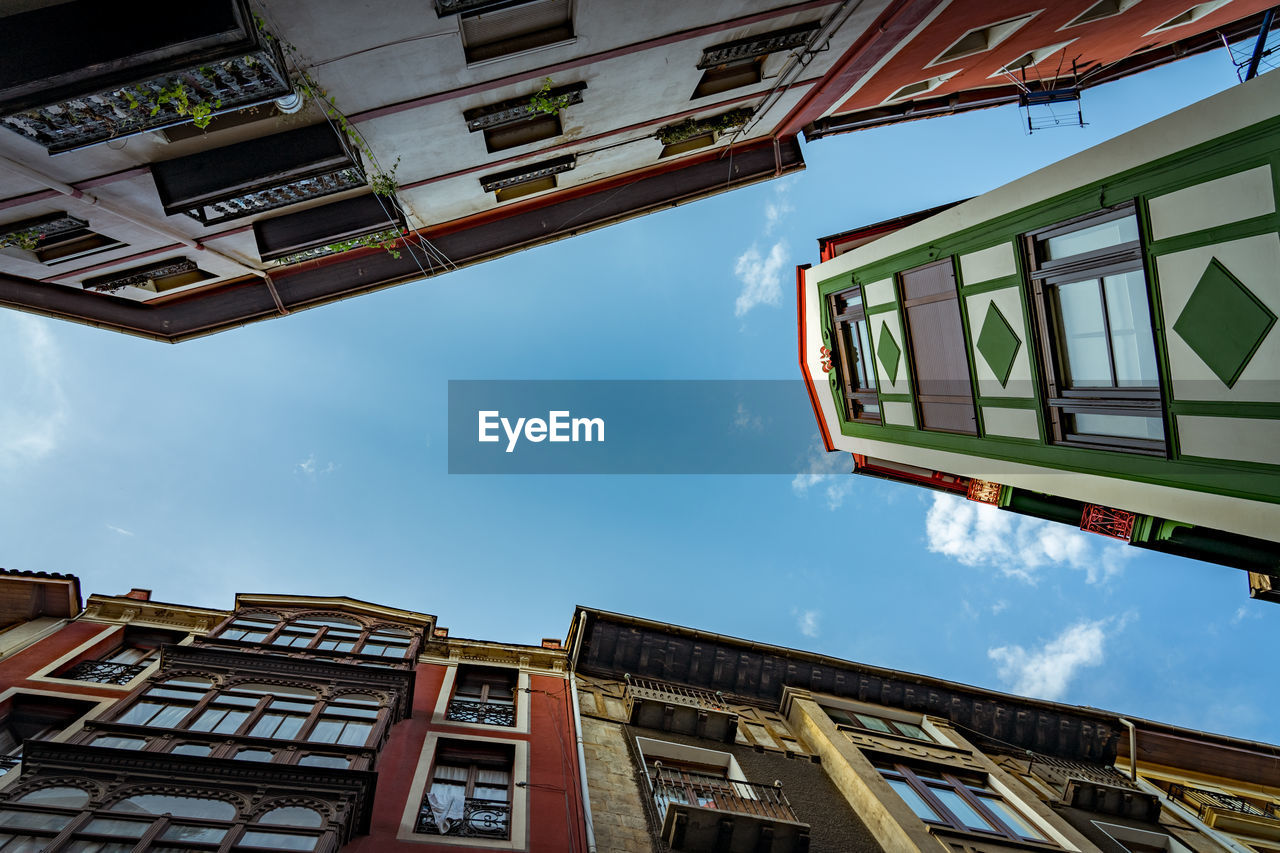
pixel 308 454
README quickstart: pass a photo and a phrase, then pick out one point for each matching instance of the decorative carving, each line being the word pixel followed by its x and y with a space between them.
pixel 914 749
pixel 825 356
pixel 984 491
pixel 1116 523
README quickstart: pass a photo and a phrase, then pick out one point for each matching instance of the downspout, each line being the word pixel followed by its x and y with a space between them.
pixel 1133 748
pixel 577 733
pixel 141 221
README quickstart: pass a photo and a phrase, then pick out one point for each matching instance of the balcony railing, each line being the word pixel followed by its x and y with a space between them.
pixel 700 790
pixel 478 819
pixel 673 708
pixel 661 691
pixel 1208 801
pixel 489 713
pixel 105 672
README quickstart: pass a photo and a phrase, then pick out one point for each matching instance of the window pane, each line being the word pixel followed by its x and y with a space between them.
pixel 198 749
pixel 1090 239
pixel 292 816
pixel 109 826
pixel 61 795
pixel 326 731
pixel 120 742
pixel 83 846
pixel 1131 341
pixel 866 365
pixel 253 755
pixel 278 841
pixel 204 807
pixel 207 834
pixel 914 800
pixel 964 812
pixel 1016 822
pixel 355 734
pixel 912 731
pixel 33 820
pixel 223 721
pixel 1127 426
pixel 26 844
pixel 324 761
pixel 1083 335
pixel 874 723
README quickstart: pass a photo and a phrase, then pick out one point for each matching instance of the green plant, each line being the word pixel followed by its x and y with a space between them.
pixel 544 102
pixel 28 239
pixel 385 239
pixel 180 99
pixel 692 127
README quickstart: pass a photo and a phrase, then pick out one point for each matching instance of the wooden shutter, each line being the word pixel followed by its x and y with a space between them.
pixel 939 353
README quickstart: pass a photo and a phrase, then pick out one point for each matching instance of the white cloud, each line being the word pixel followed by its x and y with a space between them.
pixel 743 419
pixel 999 607
pixel 1047 671
pixel 761 277
pixel 980 535
pixel 807 622
pixel 120 530
pixel 312 468
pixel 1242 613
pixel 776 209
pixel 33 405
pixel 830 473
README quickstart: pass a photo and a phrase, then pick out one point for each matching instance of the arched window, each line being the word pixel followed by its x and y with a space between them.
pixel 250 628
pixel 330 633
pixel 293 816
pixel 176 807
pixel 66 796
pixel 165 704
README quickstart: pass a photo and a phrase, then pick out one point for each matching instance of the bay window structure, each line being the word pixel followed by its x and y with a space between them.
pixel 484 694
pixel 960 801
pixel 1094 324
pixel 337 635
pixel 855 364
pixel 469 794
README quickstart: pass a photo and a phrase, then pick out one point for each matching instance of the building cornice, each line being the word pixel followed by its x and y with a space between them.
pixel 132 611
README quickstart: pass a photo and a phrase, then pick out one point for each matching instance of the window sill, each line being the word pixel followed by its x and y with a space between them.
pixel 481 63
pixel 974 840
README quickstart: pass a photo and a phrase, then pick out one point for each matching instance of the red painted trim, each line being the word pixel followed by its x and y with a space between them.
pixel 19 200
pixel 804 369
pixel 548 70
pixel 958 485
pixel 893 25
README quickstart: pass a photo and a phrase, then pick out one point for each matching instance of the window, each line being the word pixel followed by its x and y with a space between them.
pixel 387 643
pixel 1094 326
pixel 1032 58
pixel 527 180
pixel 1102 9
pixel 138 650
pixel 53 239
pixel 329 633
pixel 33 717
pixel 939 353
pixel 960 802
pixel 920 87
pixel 158 277
pixel 872 723
pixel 1192 15
pixel 856 367
pixel 346 720
pixel 470 791
pixel 740 63
pixel 320 632
pixel 981 39
pixel 252 628
pixel 167 703
pixel 512 123
pixel 500 29
pixel 484 694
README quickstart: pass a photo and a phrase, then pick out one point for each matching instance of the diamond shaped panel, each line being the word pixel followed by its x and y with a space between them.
pixel 1223 322
pixel 998 343
pixel 889 353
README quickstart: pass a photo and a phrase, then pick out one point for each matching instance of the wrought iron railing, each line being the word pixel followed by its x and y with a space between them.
pixel 479 819
pixel 175 98
pixel 104 672
pixel 489 713
pixel 674 694
pixel 1205 801
pixel 8 762
pixel 679 788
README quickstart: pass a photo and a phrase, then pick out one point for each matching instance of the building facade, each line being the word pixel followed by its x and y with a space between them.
pixel 286 723
pixel 1093 344
pixel 172 176
pixel 699 742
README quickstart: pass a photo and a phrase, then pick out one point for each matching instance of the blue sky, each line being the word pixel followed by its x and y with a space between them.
pixel 308 454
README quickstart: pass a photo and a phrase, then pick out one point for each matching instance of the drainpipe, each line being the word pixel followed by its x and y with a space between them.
pixel 141 221
pixel 577 733
pixel 1133 748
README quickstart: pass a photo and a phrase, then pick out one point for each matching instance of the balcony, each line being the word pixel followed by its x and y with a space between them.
pixel 477 819
pixel 80 73
pixel 685 710
pixel 488 713
pixel 328 229
pixel 701 812
pixel 1095 787
pixel 1230 813
pixel 105 672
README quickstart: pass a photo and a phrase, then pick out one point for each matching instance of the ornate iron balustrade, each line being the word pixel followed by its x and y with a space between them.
pixel 701 790
pixel 140 276
pixel 753 46
pixel 479 819
pixel 284 195
pixel 1206 801
pixel 489 713
pixel 176 98
pixel 445 8
pixel 524 174
pixel 674 694
pixel 104 672
pixel 518 109
pixel 8 762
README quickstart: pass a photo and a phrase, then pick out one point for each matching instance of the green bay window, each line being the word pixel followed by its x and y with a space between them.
pixel 1094 324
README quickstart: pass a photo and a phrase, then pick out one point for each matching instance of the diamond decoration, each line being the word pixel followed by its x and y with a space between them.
pixel 889 353
pixel 1223 322
pixel 998 343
